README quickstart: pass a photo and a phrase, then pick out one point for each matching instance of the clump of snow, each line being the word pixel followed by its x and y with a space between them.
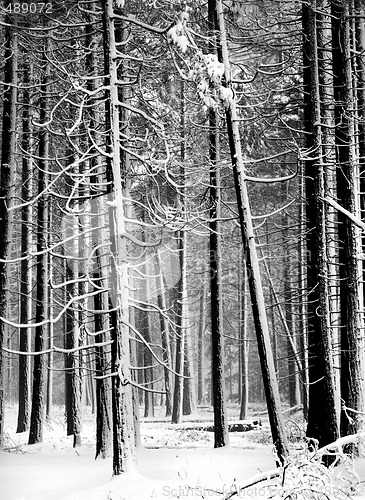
pixel 215 69
pixel 225 94
pixel 177 35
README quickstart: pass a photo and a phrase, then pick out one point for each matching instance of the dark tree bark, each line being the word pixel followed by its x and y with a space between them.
pixel 189 405
pixel 41 309
pixel 201 331
pixel 25 271
pixel 181 332
pixel 215 262
pixel 302 287
pixel 6 187
pixel 352 374
pixel 360 96
pixel 122 403
pixel 50 304
pixel 72 360
pixel 244 346
pixel 165 333
pixel 144 329
pixel 252 263
pixel 103 415
pixel 181 287
pixel 322 417
pixel 293 386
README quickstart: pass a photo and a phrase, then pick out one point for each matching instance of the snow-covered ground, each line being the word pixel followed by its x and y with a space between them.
pixel 175 463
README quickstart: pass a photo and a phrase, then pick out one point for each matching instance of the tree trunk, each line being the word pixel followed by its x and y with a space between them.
pixel 103 415
pixel 360 96
pixel 293 383
pixel 302 287
pixel 6 188
pixel 322 421
pixel 122 404
pixel 25 267
pixel 41 313
pixel 181 288
pixel 181 321
pixel 165 332
pixel 201 331
pixel 352 370
pixel 244 346
pixel 50 327
pixel 72 341
pixel 188 384
pixel 252 263
pixel 218 365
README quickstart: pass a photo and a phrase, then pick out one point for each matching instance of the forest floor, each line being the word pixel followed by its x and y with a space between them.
pixel 174 462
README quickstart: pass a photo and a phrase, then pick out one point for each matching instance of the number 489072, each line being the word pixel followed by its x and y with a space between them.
pixel 28 8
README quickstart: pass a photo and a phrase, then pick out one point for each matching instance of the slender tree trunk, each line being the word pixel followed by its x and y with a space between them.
pixel 50 330
pixel 25 267
pixel 181 321
pixel 189 405
pixel 302 287
pixel 215 261
pixel 135 400
pixel 72 341
pixel 165 332
pixel 293 383
pixel 244 352
pixel 181 312
pixel 41 309
pixel 145 330
pixel 201 331
pixel 103 415
pixel 252 263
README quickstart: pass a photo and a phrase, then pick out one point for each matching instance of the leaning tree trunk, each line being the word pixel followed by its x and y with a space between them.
pixel 7 170
pixel 252 262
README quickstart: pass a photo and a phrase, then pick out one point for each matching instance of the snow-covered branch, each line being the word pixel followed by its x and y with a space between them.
pixel 358 222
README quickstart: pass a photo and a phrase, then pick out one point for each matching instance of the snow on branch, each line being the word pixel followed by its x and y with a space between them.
pixel 358 222
pixel 339 444
pixel 57 349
